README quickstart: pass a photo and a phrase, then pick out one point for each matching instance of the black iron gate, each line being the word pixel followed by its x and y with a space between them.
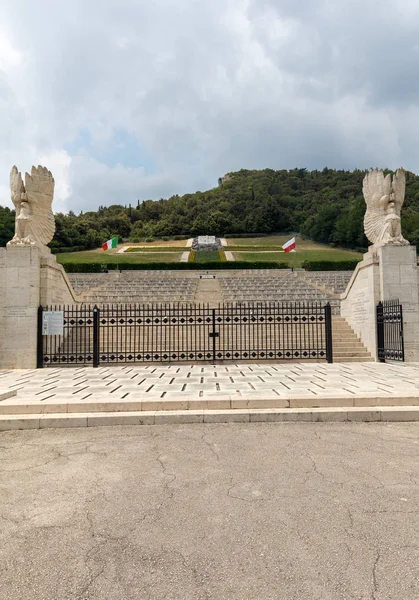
pixel 121 334
pixel 390 342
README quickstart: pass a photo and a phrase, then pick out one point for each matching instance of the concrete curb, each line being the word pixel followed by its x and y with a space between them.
pixel 311 415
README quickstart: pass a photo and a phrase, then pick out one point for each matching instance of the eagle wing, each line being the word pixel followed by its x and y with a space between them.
pixel 16 188
pixel 40 191
pixel 399 188
pixel 375 186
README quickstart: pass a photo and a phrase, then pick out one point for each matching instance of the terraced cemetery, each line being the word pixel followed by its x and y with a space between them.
pixel 265 249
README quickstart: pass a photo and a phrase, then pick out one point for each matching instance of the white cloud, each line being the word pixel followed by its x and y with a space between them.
pixel 204 87
pixel 59 164
pixel 10 57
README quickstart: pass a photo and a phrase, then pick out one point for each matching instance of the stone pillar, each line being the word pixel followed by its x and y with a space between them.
pixel 389 273
pixel 19 301
pixel 399 280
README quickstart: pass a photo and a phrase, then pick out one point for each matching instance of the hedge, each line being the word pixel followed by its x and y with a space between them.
pixel 148 249
pixel 79 267
pixel 328 265
pixel 245 235
pixel 72 249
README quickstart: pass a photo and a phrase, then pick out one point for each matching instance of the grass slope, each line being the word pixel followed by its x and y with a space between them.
pixel 295 259
pixel 207 256
pixel 99 256
pixel 267 249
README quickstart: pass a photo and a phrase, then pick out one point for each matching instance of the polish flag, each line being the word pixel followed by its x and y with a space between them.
pixel 290 245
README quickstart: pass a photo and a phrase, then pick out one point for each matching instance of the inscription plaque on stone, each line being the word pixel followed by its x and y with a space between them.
pixel 53 322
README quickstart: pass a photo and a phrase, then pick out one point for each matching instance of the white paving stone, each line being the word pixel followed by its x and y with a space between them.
pixel 301 384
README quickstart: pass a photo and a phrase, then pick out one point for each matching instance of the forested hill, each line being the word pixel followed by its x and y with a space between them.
pixel 326 206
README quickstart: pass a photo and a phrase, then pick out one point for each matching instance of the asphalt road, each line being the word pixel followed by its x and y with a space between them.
pixel 212 512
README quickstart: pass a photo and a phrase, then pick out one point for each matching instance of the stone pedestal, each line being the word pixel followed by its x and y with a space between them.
pixel 28 278
pixel 399 280
pixel 390 273
pixel 19 300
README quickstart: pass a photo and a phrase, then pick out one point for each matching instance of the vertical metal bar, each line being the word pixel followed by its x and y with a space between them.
pixel 39 348
pixel 328 332
pixel 96 336
pixel 213 334
pixel 401 333
pixel 380 332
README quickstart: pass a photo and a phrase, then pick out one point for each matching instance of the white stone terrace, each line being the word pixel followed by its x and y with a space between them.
pixel 189 387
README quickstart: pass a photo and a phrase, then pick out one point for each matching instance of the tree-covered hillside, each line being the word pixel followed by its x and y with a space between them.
pixel 326 206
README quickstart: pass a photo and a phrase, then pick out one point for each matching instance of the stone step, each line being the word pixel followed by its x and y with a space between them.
pixel 359 414
pixel 351 347
pixel 350 354
pixel 68 405
pixel 344 359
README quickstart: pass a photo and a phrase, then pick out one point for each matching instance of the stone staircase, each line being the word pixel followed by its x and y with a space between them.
pixel 208 291
pixel 134 287
pixel 347 347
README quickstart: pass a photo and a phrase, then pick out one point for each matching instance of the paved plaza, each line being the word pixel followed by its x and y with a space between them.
pixel 290 511
pixel 163 394
pixel 154 387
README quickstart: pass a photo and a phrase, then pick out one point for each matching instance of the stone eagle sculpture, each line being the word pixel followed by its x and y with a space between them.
pixel 34 223
pixel 384 197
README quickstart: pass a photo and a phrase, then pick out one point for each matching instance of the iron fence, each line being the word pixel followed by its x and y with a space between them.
pixel 390 342
pixel 146 333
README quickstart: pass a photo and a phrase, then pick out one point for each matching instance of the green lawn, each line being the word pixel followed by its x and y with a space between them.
pixel 269 240
pixel 296 258
pixel 277 241
pixel 107 257
pixel 207 256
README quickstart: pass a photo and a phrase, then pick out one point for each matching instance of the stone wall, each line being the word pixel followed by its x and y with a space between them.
pixel 55 285
pixel 358 302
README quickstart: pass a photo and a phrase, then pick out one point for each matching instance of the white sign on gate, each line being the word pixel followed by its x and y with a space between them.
pixel 53 322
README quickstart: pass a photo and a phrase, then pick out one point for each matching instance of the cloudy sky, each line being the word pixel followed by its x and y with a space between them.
pixel 135 99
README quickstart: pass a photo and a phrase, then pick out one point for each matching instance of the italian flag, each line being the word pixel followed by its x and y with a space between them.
pixel 290 245
pixel 113 243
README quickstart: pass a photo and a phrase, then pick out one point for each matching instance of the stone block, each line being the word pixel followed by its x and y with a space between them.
pixel 121 418
pixel 214 404
pixel 320 402
pixel 406 413
pixel 326 415
pixel 266 415
pixel 364 415
pixel 387 401
pixel 65 421
pixel 179 417
pixel 260 403
pixel 10 422
pixel 226 416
